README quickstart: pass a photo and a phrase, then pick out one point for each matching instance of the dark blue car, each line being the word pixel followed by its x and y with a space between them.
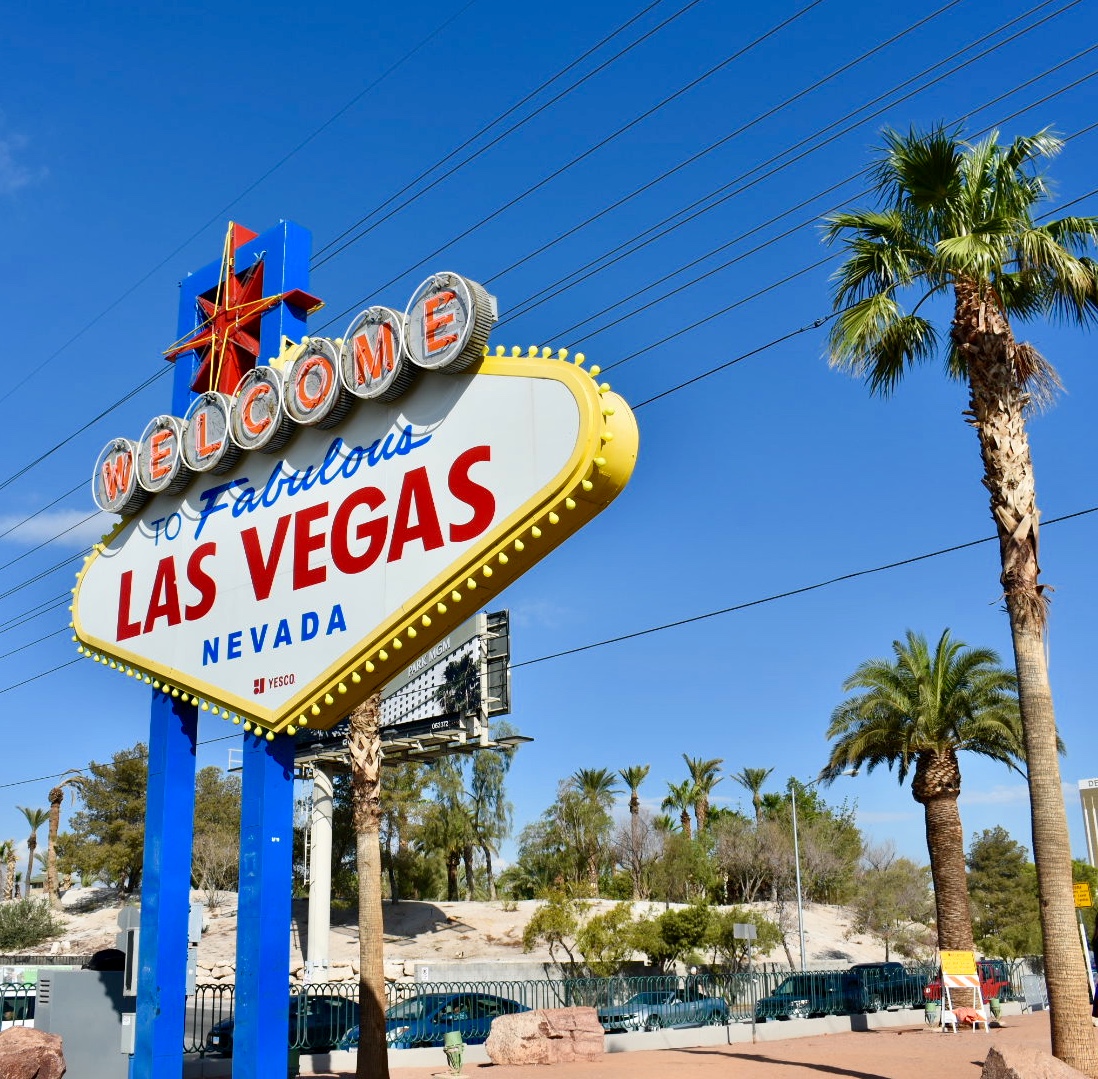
pixel 425 1020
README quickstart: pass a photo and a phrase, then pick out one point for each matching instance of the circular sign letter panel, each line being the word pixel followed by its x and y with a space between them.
pixel 312 394
pixel 114 482
pixel 448 321
pixel 257 421
pixel 207 446
pixel 159 460
pixel 372 363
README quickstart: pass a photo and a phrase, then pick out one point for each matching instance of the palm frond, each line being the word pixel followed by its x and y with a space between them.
pixel 875 341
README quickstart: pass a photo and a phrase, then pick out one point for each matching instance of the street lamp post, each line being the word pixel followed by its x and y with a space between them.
pixel 797 854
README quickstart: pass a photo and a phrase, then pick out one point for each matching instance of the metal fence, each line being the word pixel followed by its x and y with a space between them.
pixel 321 1014
pixel 16 1004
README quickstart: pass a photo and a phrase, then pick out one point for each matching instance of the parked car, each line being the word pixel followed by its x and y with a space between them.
pixel 316 1024
pixel 887 985
pixel 802 996
pixel 425 1020
pixel 665 1008
pixel 994 981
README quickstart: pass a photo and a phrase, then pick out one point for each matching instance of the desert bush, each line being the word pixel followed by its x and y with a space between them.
pixel 25 923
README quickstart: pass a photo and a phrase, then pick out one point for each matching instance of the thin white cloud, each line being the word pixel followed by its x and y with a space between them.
pixel 1014 794
pixel 63 528
pixel 14 174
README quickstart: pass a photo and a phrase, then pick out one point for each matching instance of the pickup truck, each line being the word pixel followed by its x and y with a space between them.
pixel 994 981
pixel 887 985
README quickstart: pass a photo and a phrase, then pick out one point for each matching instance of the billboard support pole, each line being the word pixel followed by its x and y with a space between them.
pixel 165 889
pixel 320 880
pixel 260 1047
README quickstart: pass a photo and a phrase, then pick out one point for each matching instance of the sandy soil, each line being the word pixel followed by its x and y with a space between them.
pixel 422 932
pixel 916 1052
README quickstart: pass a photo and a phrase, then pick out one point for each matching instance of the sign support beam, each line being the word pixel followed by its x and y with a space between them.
pixel 260 1047
pixel 165 889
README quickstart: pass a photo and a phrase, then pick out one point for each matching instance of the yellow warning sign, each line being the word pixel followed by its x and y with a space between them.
pixel 958 962
pixel 1082 895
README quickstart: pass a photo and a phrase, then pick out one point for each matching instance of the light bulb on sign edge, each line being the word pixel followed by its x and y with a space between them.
pixel 356 677
pixel 269 736
pixel 302 721
pixel 397 643
pixel 487 571
pixel 291 730
pixel 369 667
pixel 570 503
pixel 341 688
pixel 426 619
pixel 383 655
pixel 315 709
pixel 535 532
pixel 411 631
pixel 553 519
pixel 329 699
pixel 441 608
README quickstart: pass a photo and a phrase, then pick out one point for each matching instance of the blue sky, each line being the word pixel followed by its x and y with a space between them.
pixel 130 135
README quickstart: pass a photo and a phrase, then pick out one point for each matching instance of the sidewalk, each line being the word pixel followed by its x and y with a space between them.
pixel 907 1052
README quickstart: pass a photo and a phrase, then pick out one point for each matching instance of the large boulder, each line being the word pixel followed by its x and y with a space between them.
pixel 1022 1062
pixel 26 1053
pixel 547 1036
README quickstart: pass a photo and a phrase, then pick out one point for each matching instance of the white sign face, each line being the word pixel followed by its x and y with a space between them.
pixel 275 588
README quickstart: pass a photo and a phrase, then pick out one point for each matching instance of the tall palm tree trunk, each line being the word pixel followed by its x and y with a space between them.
pixel 684 820
pixel 9 882
pixel 489 876
pixel 32 846
pixel 364 743
pixel 53 891
pixel 945 840
pixel 453 864
pixel 470 875
pixel 997 403
pixel 634 841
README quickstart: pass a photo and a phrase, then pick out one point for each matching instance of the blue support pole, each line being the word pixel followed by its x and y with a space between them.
pixel 260 1043
pixel 165 889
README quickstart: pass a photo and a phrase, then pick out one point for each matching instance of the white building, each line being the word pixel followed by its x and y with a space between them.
pixel 1088 795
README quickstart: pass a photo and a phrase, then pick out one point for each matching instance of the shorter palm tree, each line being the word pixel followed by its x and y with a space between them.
pixel 7 855
pixel 681 797
pixel 35 818
pixel 916 712
pixel 753 779
pixel 633 777
pixel 703 778
pixel 73 780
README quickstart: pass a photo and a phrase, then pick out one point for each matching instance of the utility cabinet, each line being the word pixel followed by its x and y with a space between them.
pixel 86 1008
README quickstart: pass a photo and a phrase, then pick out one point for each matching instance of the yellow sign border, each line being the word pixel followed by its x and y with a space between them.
pixel 597 471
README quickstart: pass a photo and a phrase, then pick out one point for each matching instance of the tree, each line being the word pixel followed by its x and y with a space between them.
pixel 596 787
pixel 1003 885
pixel 633 777
pixel 448 823
pixel 7 854
pixel 753 779
pixel 892 901
pixel 958 217
pixel 703 778
pixel 108 833
pixel 680 796
pixel 402 789
pixel 364 746
pixel 491 811
pixel 918 711
pixel 35 819
pixel 215 854
pixel 56 797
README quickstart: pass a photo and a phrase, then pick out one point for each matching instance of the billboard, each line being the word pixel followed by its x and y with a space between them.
pixel 385 484
pixel 441 702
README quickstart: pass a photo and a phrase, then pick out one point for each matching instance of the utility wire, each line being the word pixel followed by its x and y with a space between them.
pixel 228 206
pixel 556 173
pixel 446 162
pixel 782 595
pixel 663 626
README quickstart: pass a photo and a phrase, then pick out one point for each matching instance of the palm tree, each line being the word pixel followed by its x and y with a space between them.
pixel 35 819
pixel 364 748
pixel 918 711
pixel 681 796
pixel 597 787
pixel 56 797
pixel 957 216
pixel 7 855
pixel 703 778
pixel 633 777
pixel 753 779
pixel 491 811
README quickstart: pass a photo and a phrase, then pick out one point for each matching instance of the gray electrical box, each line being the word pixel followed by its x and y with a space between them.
pixel 86 1008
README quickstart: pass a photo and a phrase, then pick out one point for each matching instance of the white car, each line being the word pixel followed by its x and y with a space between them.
pixel 17 1005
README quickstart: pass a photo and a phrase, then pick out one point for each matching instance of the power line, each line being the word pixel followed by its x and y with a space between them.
pixel 782 595
pixel 556 173
pixel 447 161
pixel 228 206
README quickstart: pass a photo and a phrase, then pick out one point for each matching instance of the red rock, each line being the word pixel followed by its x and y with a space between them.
pixel 1023 1062
pixel 547 1036
pixel 26 1053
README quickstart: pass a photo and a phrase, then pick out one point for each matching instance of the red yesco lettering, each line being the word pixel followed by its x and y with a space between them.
pixel 164 602
pixel 355 544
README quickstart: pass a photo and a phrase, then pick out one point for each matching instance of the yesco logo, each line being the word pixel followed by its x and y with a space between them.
pixel 314 384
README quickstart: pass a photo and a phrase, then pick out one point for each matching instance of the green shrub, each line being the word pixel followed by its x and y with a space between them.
pixel 25 923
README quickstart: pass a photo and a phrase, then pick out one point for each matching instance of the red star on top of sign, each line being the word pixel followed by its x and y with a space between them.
pixel 227 339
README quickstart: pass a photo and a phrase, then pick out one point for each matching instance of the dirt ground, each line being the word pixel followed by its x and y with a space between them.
pixel 915 1052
